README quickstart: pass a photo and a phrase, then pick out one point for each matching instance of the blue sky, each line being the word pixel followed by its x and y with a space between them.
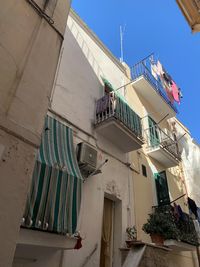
pixel 152 26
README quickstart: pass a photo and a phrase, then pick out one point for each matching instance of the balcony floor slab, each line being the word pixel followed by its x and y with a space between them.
pixel 34 238
pixel 162 156
pixel 117 133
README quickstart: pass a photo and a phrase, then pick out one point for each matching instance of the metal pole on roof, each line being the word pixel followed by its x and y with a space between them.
pixel 121 42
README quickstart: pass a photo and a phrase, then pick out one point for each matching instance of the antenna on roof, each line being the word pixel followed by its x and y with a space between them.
pixel 122 30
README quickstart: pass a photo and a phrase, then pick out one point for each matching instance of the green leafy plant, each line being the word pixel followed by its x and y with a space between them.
pixel 160 223
pixel 163 222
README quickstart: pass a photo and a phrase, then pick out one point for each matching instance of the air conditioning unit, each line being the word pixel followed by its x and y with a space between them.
pixel 87 158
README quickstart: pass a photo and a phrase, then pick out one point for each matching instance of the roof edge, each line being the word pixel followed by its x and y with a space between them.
pixel 96 39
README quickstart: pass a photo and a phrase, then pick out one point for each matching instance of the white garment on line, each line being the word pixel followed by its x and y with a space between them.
pixel 154 71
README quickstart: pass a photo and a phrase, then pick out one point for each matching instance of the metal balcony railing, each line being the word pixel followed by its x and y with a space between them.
pixel 112 106
pixel 197 4
pixel 156 137
pixel 180 226
pixel 143 69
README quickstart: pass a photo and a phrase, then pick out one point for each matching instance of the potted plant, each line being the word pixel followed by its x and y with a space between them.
pixel 160 226
pixel 131 235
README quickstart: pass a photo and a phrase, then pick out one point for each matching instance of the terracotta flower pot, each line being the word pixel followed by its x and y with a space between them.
pixel 157 239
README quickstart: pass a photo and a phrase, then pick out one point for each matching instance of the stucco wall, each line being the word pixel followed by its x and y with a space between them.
pixel 77 86
pixel 16 166
pixel 76 89
pixel 29 52
pixel 190 154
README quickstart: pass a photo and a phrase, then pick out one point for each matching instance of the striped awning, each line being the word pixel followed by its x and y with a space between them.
pixel 53 202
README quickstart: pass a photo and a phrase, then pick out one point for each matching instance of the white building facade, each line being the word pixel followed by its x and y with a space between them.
pixel 86 68
pixel 86 118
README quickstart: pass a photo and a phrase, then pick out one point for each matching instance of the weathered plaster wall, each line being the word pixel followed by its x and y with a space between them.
pixel 76 89
pixel 29 52
pixel 190 154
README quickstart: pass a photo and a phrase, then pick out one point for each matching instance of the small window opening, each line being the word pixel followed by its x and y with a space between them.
pixel 144 170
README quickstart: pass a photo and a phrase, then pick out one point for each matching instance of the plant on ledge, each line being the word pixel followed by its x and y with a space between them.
pixel 162 222
pixel 131 233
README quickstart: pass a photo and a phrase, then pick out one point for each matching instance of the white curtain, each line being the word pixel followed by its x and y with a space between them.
pixel 107 229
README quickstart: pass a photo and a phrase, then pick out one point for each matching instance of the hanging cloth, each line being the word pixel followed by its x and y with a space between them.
pixel 167 77
pixel 176 212
pixel 180 93
pixel 198 214
pixel 180 211
pixel 107 233
pixel 175 92
pixel 159 68
pixel 154 71
pixel 192 206
pixel 169 94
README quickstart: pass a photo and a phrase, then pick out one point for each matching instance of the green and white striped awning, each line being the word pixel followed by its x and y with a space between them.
pixel 54 199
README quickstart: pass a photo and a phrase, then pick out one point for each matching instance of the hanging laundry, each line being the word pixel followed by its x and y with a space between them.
pixel 180 212
pixel 198 214
pixel 192 206
pixel 166 76
pixel 78 243
pixel 167 84
pixel 105 102
pixel 168 90
pixel 154 71
pixel 159 68
pixel 180 93
pixel 175 92
pixel 176 212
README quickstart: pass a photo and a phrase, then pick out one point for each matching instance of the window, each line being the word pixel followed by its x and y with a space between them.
pixel 162 188
pixel 144 170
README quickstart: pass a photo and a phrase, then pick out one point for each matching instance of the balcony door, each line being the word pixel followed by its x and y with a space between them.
pixel 162 188
pixel 153 132
pixel 106 258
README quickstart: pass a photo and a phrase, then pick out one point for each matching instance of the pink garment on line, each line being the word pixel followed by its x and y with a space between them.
pixel 175 92
pixel 169 94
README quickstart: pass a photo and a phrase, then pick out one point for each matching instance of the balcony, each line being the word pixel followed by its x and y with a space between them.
pixel 190 10
pixel 32 238
pixel 116 121
pixel 35 247
pixel 162 147
pixel 180 234
pixel 151 89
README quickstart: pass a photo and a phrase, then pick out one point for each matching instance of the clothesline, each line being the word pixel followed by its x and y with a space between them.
pixel 161 75
pixel 177 198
